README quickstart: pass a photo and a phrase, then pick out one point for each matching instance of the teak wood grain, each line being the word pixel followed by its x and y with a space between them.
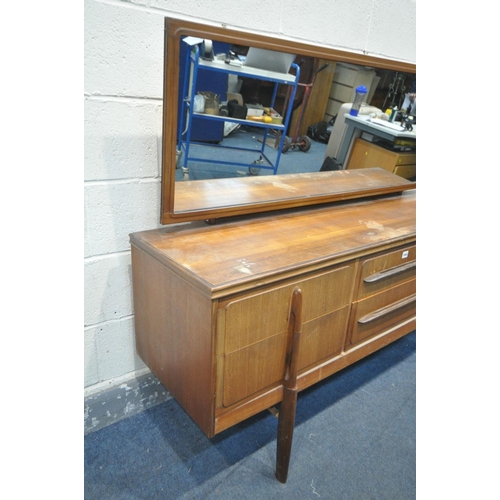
pixel 174 336
pixel 242 254
pixel 211 301
pixel 271 192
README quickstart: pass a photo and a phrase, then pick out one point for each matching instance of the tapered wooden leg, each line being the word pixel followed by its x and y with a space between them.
pixel 286 423
pixel 286 417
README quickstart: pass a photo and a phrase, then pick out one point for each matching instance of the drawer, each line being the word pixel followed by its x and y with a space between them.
pixel 406 171
pixel 323 337
pixel 253 330
pixel 377 313
pixel 253 368
pixel 262 365
pixel 321 295
pixel 387 270
pixel 406 159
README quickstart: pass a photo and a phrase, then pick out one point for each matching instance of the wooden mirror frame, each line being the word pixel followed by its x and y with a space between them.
pixel 174 29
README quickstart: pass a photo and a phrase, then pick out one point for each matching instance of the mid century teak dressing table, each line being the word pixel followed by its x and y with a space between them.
pixel 238 316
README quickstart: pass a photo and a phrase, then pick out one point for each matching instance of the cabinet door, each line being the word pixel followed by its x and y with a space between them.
pixel 253 331
pixel 367 155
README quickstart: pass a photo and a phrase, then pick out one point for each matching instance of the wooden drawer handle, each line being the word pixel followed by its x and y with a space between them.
pixel 388 309
pixel 390 272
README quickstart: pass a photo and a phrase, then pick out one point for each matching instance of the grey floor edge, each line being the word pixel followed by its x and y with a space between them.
pixel 119 402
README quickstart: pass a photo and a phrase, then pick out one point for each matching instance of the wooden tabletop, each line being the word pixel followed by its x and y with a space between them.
pixel 269 192
pixel 248 251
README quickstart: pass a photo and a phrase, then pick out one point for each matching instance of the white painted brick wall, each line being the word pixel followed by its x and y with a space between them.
pixel 111 343
pixel 123 64
pixel 121 139
pixel 123 50
pixel 114 209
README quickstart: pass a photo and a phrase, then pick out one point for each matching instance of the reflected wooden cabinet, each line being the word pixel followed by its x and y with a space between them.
pixel 365 154
pixel 212 302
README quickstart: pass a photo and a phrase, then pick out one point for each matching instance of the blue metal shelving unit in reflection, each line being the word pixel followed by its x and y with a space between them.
pixel 193 66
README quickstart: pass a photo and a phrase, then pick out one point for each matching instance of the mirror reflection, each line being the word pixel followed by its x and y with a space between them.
pixel 247 118
pixel 246 111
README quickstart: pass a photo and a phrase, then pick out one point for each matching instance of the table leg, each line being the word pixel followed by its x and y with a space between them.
pixel 286 417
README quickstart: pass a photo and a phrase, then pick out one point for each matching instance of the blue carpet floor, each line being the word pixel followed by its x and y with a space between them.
pixel 354 439
pixel 250 138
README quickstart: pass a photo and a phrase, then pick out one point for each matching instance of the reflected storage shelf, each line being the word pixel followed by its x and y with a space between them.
pixel 194 65
pixel 368 155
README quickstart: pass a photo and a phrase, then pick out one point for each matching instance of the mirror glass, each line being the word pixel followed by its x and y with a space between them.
pixel 244 112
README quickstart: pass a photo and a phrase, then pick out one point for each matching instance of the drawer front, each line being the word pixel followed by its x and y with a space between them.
pixel 407 159
pixel 377 313
pixel 260 365
pixel 255 332
pixel 253 368
pixel 406 171
pixel 387 270
pixel 262 315
pixel 323 337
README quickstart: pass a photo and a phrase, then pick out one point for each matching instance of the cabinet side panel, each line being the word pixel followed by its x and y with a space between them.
pixel 174 336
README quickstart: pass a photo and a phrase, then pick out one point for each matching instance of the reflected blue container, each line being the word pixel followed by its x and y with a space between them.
pixel 359 97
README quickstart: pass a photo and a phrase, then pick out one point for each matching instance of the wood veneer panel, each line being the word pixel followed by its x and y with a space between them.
pixel 323 337
pixel 261 250
pixel 270 192
pixel 228 417
pixel 321 294
pixel 366 307
pixel 389 270
pixel 174 337
pixel 256 326
pixel 181 273
pixel 254 368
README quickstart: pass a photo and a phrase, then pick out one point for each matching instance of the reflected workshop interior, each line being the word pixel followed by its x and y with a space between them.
pixel 245 111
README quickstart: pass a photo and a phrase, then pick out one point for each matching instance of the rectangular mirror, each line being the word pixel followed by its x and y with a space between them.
pixel 220 161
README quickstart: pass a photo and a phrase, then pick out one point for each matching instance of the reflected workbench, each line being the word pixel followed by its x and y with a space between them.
pixel 368 144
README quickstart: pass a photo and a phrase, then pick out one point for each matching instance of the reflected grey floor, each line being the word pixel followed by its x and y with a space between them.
pixel 354 439
pixel 292 161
